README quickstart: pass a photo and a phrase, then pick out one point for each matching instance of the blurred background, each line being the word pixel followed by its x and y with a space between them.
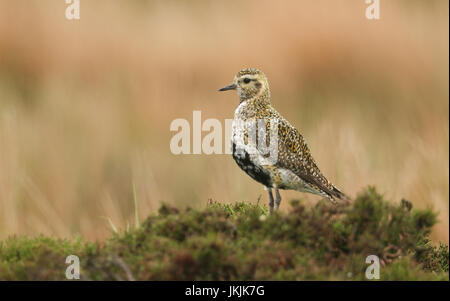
pixel 86 105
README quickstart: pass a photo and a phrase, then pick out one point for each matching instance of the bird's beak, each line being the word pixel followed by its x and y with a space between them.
pixel 229 87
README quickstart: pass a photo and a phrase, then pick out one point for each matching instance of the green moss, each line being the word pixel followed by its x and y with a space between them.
pixel 239 242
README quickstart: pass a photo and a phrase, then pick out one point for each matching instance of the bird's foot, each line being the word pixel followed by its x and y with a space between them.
pixel 277 199
pixel 271 202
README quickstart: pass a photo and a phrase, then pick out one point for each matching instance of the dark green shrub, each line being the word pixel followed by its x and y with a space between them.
pixel 238 242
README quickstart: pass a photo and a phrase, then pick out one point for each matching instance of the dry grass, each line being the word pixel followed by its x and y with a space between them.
pixel 85 106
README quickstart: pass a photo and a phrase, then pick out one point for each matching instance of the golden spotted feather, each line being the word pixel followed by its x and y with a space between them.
pixel 295 156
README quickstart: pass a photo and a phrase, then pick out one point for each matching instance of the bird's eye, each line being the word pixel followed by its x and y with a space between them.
pixel 247 80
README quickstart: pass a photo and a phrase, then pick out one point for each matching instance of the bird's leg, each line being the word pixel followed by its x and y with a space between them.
pixel 277 199
pixel 269 190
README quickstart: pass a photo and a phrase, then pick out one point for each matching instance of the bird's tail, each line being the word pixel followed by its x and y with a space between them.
pixel 340 195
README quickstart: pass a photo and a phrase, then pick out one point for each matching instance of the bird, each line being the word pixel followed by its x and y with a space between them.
pixel 292 167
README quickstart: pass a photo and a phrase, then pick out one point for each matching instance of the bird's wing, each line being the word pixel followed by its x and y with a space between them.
pixel 294 155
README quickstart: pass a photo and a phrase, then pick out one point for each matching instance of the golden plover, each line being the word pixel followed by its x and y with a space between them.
pixel 293 168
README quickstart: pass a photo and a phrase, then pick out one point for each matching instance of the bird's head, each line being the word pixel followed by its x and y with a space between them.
pixel 249 83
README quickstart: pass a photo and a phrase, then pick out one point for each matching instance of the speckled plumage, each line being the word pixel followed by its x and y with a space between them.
pixel 294 167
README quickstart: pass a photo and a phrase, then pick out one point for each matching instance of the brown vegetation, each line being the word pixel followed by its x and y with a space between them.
pixel 85 106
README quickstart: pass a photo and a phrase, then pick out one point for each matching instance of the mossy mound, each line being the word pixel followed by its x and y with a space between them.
pixel 239 242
